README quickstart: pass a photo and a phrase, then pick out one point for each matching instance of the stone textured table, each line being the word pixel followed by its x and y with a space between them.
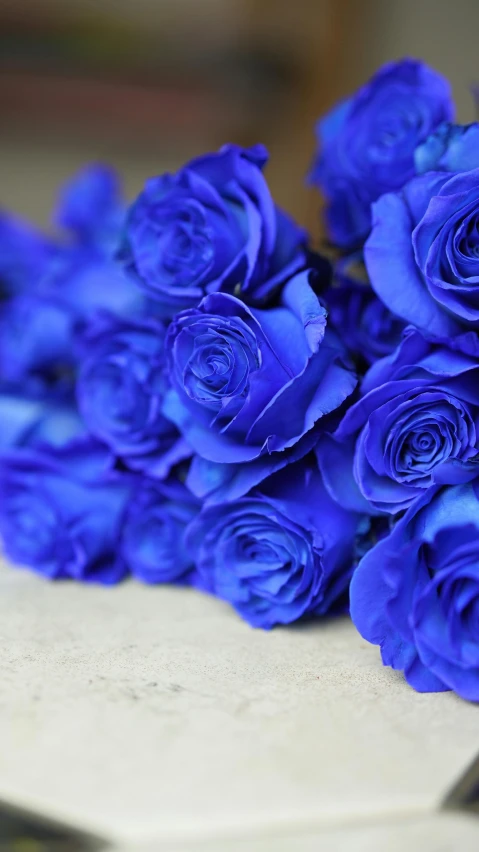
pixel 155 718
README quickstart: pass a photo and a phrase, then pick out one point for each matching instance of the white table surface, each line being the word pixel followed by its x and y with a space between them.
pixel 156 716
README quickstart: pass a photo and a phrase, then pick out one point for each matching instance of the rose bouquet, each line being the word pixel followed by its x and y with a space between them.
pixel 192 394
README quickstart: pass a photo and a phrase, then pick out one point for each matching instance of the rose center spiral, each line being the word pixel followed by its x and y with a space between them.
pixel 183 242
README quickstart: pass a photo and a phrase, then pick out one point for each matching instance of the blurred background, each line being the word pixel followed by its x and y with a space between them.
pixel 146 84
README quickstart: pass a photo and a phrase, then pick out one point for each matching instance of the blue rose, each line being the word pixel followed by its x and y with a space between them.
pixel 55 289
pixel 451 148
pixel 120 390
pixel 211 226
pixel 85 272
pixel 368 143
pixel 422 254
pixel 416 593
pixel 91 207
pixel 153 539
pixel 61 514
pixel 36 352
pixel 81 273
pixel 36 422
pixel 40 331
pixel 367 326
pixel 24 255
pixel 249 385
pixel 283 551
pixel 416 423
pixel 87 280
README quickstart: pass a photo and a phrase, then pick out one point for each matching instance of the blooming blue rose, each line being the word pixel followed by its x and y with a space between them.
pixel 416 593
pixel 416 423
pixel 368 142
pixel 24 255
pixel 367 326
pixel 451 148
pixel 422 254
pixel 83 273
pixel 86 281
pixel 90 206
pixel 153 539
pixel 55 289
pixel 36 352
pixel 211 226
pixel 120 390
pixel 36 422
pixel 249 385
pixel 60 514
pixel 283 551
pixel 40 331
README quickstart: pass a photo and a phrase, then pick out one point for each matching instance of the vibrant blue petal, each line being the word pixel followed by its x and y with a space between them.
pixel 392 267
